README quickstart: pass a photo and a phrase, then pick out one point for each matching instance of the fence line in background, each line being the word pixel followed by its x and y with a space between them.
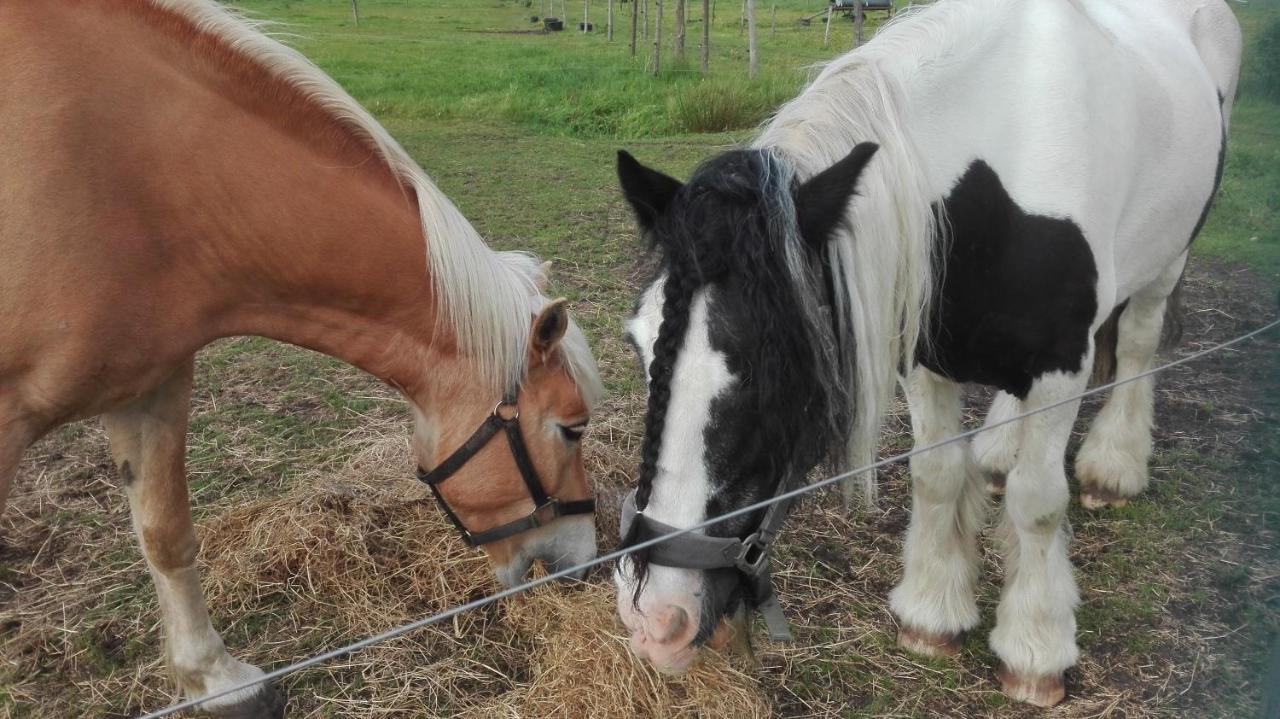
pixel 616 554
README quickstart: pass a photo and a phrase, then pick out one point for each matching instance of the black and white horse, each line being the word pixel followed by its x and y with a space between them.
pixel 967 198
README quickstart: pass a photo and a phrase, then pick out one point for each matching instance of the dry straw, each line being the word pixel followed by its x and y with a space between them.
pixel 365 549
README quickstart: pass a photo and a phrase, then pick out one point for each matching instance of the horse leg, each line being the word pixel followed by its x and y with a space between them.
pixel 1112 462
pixel 15 436
pixel 1034 636
pixel 996 449
pixel 12 444
pixel 935 601
pixel 148 444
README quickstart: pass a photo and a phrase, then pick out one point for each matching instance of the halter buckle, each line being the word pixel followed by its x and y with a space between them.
pixel 511 406
pixel 546 512
pixel 754 555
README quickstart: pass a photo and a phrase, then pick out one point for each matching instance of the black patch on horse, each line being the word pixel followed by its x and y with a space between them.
pixel 1015 294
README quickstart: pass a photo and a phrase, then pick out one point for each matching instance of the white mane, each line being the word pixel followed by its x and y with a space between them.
pixel 883 261
pixel 488 298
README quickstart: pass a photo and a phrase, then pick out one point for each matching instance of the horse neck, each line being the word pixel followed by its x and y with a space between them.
pixel 288 224
pixel 333 260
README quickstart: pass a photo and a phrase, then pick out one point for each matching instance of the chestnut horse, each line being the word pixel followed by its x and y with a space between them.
pixel 170 176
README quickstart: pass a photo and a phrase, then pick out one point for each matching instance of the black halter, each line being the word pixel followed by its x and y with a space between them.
pixel 545 508
pixel 728 561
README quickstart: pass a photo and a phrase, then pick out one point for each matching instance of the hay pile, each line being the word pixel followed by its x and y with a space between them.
pixel 365 550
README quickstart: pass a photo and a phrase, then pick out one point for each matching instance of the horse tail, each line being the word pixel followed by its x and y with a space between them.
pixel 1105 339
pixel 1171 330
pixel 1104 343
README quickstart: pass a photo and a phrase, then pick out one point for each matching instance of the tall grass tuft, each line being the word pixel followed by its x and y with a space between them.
pixel 719 105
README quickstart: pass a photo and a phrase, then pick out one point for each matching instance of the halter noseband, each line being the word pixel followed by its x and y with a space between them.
pixel 692 550
pixel 505 416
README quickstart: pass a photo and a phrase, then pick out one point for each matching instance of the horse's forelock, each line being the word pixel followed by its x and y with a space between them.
pixel 736 221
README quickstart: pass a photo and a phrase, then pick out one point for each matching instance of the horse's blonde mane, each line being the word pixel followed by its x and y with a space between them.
pixel 883 260
pixel 488 298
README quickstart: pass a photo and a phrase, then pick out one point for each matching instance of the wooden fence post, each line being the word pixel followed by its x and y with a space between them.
pixel 753 51
pixel 645 12
pixel 657 39
pixel 355 12
pixel 610 6
pixel 680 29
pixel 773 26
pixel 857 22
pixel 706 36
pixel 585 4
pixel 827 33
pixel 635 17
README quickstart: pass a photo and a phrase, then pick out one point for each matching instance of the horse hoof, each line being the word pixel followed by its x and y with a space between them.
pixel 1096 497
pixel 1042 691
pixel 995 483
pixel 928 643
pixel 268 703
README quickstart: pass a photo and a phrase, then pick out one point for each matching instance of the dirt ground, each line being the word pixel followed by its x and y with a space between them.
pixel 314 535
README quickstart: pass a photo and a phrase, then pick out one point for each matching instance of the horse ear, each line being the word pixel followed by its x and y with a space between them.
pixel 822 201
pixel 650 192
pixel 550 326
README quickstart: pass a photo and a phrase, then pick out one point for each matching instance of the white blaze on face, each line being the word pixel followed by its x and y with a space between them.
pixel 681 484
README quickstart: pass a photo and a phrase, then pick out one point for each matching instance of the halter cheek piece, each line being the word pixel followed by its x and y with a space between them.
pixel 749 557
pixel 505 416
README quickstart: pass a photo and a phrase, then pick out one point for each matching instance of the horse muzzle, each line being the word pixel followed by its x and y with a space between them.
pixel 562 544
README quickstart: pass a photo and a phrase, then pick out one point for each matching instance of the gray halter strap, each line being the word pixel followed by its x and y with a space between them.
pixel 694 550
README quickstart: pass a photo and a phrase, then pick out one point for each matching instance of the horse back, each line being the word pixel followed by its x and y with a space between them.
pixel 1074 158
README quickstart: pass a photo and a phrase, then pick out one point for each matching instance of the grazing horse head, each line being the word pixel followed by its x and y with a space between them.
pixel 747 378
pixel 506 467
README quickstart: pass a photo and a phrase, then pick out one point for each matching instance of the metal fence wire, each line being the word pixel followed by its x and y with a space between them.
pixel 611 556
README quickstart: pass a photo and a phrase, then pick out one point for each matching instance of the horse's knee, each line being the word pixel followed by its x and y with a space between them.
pixel 1036 502
pixel 939 475
pixel 168 547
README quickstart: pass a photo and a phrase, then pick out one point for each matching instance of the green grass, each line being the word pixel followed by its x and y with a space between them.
pixel 1245 224
pixel 464 60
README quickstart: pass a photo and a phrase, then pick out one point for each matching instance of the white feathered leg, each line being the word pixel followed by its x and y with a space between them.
pixel 935 601
pixel 1035 620
pixel 1112 462
pixel 996 449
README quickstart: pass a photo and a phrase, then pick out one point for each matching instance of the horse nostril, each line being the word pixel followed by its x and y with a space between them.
pixel 671 623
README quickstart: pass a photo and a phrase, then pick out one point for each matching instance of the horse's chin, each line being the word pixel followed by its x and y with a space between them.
pixel 666 659
pixel 677 664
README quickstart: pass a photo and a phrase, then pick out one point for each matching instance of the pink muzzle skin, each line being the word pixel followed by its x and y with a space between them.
pixel 731 569
pixel 663 635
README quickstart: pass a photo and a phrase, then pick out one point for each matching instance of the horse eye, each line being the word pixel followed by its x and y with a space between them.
pixel 574 433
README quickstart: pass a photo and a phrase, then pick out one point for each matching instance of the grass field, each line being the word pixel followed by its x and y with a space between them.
pixel 315 535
